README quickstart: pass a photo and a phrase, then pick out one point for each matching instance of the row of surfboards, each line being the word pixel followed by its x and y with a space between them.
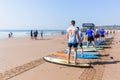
pixel 88 53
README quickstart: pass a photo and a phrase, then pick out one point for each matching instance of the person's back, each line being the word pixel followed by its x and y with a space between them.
pixel 97 31
pixel 102 32
pixel 89 33
pixel 72 36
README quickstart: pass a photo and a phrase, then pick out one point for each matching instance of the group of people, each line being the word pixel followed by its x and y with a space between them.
pixel 10 35
pixel 93 35
pixel 34 34
pixel 75 37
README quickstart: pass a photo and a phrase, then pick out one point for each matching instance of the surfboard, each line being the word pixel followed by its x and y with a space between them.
pixel 109 37
pixel 78 56
pixel 85 53
pixel 90 48
pixel 103 46
pixel 86 56
pixel 103 42
pixel 64 62
pixel 85 50
pixel 97 47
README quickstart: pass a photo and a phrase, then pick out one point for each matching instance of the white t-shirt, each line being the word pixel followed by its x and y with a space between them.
pixel 81 36
pixel 72 31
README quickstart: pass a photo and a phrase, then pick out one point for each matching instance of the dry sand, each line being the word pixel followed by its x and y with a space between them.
pixel 21 59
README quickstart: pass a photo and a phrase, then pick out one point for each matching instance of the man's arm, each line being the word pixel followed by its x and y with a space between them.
pixel 67 36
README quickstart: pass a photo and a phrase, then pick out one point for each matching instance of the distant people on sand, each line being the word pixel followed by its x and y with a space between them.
pixel 10 35
pixel 41 34
pixel 110 32
pixel 35 35
pixel 114 32
pixel 62 33
pixel 31 34
pixel 107 33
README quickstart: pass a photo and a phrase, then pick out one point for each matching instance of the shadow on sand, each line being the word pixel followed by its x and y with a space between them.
pixel 45 39
pixel 104 62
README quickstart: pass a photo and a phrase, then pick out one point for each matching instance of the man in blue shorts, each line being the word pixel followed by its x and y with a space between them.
pixel 90 37
pixel 73 38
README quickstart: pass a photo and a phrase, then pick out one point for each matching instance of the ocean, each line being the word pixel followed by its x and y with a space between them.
pixel 26 33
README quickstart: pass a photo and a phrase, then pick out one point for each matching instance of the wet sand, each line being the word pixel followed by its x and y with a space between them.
pixel 21 59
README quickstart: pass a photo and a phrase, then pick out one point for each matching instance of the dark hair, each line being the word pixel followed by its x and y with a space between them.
pixel 73 22
pixel 90 27
pixel 78 28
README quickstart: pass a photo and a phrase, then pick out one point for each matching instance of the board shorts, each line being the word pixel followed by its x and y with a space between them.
pixel 97 36
pixel 91 38
pixel 74 45
pixel 102 36
pixel 35 35
pixel 81 44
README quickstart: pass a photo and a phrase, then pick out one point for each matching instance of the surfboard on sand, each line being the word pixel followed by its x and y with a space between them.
pixel 86 50
pixel 97 47
pixel 64 62
pixel 78 55
pixel 91 48
pixel 85 53
pixel 103 46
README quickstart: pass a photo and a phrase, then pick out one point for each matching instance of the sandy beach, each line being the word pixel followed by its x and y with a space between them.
pixel 21 59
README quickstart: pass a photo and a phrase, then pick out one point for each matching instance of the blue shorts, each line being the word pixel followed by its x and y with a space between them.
pixel 74 45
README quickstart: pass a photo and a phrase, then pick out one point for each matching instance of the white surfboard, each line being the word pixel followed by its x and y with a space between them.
pixel 64 62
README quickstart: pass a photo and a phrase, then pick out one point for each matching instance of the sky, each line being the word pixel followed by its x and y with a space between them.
pixel 57 14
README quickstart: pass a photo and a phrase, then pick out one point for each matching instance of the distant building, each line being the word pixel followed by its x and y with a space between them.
pixel 86 26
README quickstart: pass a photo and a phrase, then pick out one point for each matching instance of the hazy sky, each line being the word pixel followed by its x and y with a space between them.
pixel 57 14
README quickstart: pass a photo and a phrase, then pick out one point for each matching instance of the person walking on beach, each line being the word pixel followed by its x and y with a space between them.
pixel 90 37
pixel 72 36
pixel 35 34
pixel 31 34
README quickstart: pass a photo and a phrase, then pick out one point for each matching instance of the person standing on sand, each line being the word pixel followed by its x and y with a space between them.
pixel 41 34
pixel 31 34
pixel 72 36
pixel 97 35
pixel 102 34
pixel 81 40
pixel 35 34
pixel 10 35
pixel 90 37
